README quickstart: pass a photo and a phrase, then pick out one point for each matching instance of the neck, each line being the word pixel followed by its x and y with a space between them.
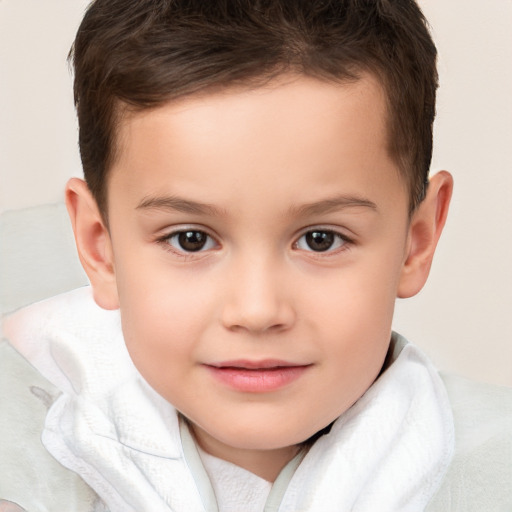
pixel 266 464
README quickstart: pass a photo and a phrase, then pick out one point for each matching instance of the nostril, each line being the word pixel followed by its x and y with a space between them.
pixel 276 320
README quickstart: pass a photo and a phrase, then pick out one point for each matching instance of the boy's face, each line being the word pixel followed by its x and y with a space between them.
pixel 258 241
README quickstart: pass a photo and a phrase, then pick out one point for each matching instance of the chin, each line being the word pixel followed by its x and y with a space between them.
pixel 264 439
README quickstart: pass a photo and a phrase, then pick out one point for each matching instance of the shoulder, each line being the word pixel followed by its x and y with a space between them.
pixel 481 471
pixel 29 476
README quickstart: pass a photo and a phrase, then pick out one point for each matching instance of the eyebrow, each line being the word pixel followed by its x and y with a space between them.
pixel 333 204
pixel 178 204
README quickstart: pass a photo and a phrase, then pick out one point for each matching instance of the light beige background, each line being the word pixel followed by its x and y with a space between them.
pixel 463 318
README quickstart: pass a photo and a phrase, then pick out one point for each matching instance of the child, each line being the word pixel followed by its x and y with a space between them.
pixel 256 197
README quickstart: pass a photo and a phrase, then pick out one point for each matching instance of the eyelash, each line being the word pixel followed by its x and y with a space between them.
pixel 182 253
pixel 339 238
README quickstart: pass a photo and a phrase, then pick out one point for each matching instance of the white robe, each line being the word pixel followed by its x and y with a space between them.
pixel 123 444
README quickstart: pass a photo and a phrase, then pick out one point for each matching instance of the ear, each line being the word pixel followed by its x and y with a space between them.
pixel 93 243
pixel 425 228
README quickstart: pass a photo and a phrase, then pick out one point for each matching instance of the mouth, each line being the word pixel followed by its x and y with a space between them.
pixel 265 364
pixel 257 376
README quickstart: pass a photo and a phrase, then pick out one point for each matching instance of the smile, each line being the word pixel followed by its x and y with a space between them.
pixel 257 376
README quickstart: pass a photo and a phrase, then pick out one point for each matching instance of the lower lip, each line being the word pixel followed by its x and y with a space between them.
pixel 258 380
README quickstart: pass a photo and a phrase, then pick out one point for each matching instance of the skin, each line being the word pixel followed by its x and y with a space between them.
pixel 256 170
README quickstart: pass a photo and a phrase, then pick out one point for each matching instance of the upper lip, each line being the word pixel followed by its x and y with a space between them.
pixel 264 364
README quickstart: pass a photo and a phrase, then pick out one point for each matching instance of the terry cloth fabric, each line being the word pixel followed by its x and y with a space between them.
pixel 226 487
pixel 389 452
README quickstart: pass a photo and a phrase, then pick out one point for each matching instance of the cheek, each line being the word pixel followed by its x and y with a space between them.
pixel 162 319
pixel 160 343
pixel 352 312
pixel 158 295
pixel 359 296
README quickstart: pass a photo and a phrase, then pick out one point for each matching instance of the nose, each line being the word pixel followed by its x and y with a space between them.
pixel 258 299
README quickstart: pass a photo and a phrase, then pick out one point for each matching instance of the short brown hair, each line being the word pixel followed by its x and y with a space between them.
pixel 143 53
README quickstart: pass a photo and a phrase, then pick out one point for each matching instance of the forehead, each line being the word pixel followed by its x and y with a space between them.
pixel 261 137
pixel 290 97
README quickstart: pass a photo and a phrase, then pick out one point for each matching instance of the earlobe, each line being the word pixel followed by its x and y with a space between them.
pixel 93 243
pixel 425 229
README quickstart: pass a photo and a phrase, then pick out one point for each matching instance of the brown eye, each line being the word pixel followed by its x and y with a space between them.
pixel 319 240
pixel 190 241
